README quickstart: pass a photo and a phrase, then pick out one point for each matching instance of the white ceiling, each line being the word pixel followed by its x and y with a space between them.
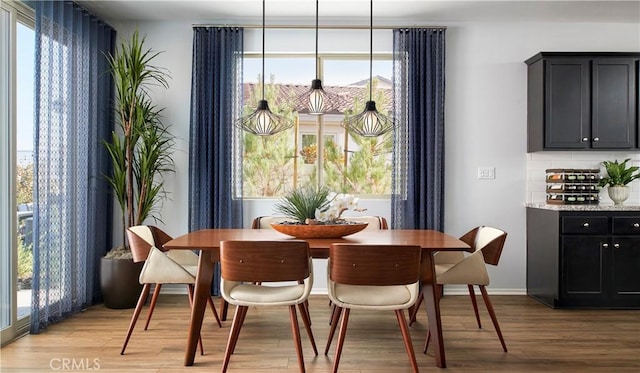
pixel 356 12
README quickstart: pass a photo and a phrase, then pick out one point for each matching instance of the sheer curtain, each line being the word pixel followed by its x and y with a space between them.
pixel 215 180
pixel 72 209
pixel 417 197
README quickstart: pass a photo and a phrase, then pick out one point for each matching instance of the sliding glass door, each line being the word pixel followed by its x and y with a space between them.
pixel 17 48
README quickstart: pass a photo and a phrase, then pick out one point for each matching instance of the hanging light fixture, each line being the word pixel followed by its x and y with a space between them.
pixel 369 123
pixel 263 122
pixel 316 95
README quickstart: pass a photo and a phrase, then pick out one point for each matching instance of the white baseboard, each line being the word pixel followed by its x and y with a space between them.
pixel 448 290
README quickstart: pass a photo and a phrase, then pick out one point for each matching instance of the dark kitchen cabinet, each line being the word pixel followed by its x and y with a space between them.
pixel 584 259
pixel 582 101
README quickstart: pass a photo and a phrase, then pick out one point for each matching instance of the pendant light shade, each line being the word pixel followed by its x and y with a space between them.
pixel 316 98
pixel 370 123
pixel 263 122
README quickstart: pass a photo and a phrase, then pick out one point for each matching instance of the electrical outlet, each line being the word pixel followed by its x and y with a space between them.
pixel 486 172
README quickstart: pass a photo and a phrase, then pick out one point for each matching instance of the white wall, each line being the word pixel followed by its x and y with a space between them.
pixel 485 122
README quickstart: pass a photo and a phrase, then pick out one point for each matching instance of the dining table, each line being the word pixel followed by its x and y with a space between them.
pixel 208 242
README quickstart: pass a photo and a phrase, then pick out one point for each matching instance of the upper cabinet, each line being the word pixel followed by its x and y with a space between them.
pixel 582 101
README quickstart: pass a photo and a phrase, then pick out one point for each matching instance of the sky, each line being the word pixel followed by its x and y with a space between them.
pixel 24 87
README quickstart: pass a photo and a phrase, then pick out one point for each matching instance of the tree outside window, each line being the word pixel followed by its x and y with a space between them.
pixel 273 165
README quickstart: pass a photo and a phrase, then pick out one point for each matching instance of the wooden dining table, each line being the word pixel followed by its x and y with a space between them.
pixel 208 242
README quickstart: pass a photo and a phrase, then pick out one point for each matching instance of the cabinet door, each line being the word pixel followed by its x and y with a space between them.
pixel 567 99
pixel 583 275
pixel 613 122
pixel 625 271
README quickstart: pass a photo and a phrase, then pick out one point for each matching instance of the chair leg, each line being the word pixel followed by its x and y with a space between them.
pixel 215 313
pixel 152 306
pixel 224 307
pixel 341 336
pixel 335 317
pixel 141 301
pixel 296 336
pixel 241 314
pixel 307 324
pixel 233 337
pixel 190 292
pixel 472 294
pixel 492 313
pixel 426 342
pixel 414 311
pixel 406 337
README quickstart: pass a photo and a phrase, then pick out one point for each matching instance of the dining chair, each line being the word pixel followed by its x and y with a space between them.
pixel 160 267
pixel 266 273
pixel 454 267
pixel 372 277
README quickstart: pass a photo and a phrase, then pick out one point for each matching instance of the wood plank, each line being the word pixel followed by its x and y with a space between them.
pixel 539 339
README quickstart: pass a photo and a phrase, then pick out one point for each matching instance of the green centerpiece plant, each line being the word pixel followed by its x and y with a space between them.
pixel 316 206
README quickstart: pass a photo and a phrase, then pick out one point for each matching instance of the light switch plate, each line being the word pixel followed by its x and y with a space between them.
pixel 486 172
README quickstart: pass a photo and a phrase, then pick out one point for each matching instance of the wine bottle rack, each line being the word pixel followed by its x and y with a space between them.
pixel 567 186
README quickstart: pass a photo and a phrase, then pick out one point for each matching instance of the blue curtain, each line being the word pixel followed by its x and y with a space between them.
pixel 215 144
pixel 417 199
pixel 72 209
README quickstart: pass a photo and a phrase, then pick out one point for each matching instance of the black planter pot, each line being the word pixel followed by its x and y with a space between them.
pixel 119 282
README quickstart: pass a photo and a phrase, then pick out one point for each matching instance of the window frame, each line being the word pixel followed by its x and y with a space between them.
pixel 321 132
pixel 17 13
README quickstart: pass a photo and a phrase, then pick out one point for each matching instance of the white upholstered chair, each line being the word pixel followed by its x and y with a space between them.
pixel 372 277
pixel 259 273
pixel 160 267
pixel 454 267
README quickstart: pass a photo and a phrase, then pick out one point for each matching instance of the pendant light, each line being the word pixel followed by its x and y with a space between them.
pixel 263 122
pixel 316 96
pixel 370 123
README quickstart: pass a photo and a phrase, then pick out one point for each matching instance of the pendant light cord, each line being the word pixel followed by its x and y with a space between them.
pixel 263 27
pixel 317 72
pixel 371 55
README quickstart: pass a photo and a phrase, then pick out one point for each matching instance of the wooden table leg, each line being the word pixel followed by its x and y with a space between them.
pixel 432 303
pixel 202 292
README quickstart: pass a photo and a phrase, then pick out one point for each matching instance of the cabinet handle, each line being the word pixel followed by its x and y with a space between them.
pixel 636 225
pixel 596 139
pixel 586 225
pixel 616 245
pixel 605 245
pixel 585 139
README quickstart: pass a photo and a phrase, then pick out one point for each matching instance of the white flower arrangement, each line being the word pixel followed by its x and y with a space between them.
pixel 337 204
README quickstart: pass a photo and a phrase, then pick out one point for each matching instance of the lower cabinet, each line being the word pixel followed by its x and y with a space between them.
pixel 587 259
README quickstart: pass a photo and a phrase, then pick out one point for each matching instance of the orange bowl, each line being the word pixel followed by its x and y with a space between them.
pixel 319 230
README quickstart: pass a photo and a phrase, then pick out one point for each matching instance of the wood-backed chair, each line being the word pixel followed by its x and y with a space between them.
pixel 252 275
pixel 454 267
pixel 160 267
pixel 372 277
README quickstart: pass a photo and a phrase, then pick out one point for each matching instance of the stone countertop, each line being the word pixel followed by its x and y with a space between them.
pixel 600 207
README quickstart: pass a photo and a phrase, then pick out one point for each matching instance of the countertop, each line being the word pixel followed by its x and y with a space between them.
pixel 600 207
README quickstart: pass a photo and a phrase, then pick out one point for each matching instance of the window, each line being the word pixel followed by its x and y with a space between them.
pixel 17 49
pixel 294 158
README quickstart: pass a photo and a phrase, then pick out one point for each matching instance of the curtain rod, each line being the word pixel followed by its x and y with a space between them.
pixel 331 27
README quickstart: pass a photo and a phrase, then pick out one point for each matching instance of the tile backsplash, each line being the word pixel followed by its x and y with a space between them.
pixel 538 162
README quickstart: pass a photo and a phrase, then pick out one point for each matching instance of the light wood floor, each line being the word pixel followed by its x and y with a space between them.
pixel 539 340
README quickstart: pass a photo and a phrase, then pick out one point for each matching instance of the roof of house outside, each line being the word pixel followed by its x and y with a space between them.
pixel 340 99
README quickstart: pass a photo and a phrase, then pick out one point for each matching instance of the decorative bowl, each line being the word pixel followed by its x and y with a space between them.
pixel 319 230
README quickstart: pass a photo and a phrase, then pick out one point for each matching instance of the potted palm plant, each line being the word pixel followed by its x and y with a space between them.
pixel 141 153
pixel 617 179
